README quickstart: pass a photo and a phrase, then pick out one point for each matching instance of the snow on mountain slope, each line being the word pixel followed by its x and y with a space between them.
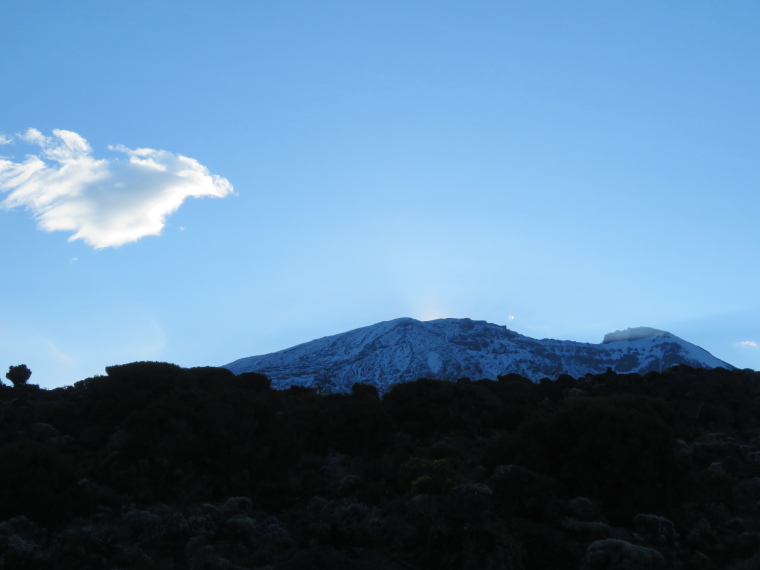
pixel 406 349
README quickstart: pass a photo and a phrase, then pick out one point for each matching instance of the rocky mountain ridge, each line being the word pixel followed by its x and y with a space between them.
pixel 405 349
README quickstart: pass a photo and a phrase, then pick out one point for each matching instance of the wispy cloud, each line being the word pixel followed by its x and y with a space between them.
pixel 104 202
pixel 4 139
pixel 58 353
pixel 748 344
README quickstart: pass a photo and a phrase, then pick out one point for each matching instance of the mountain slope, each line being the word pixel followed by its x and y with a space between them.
pixel 406 349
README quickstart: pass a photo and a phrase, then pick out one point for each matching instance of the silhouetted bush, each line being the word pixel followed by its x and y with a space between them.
pixel 362 391
pixel 18 375
pixel 254 381
pixel 428 407
pixel 37 482
pixel 611 451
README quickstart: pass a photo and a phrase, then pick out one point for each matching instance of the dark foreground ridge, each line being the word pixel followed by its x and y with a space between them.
pixel 155 466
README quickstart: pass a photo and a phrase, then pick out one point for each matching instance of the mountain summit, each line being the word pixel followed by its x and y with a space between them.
pixel 407 349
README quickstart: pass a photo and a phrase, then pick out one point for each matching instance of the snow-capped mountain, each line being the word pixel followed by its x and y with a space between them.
pixel 406 349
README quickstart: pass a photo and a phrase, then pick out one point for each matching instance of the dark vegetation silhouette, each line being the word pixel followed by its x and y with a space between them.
pixel 155 466
pixel 18 375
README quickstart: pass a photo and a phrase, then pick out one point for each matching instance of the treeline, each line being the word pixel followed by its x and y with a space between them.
pixel 156 466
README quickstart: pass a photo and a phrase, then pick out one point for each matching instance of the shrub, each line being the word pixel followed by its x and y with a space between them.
pixel 614 554
pixel 609 451
pixel 18 375
pixel 37 482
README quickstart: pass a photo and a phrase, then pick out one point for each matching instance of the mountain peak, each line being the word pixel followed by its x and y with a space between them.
pixel 635 333
pixel 405 349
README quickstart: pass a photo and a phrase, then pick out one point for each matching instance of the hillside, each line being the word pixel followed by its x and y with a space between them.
pixel 155 466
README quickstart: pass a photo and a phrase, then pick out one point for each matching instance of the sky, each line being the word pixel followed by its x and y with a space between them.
pixel 197 182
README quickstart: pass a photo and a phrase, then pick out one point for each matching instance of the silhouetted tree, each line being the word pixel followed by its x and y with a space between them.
pixel 18 375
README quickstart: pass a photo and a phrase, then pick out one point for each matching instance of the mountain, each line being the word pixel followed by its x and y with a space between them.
pixel 407 349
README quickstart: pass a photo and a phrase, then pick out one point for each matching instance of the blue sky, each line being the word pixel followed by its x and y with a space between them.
pixel 566 169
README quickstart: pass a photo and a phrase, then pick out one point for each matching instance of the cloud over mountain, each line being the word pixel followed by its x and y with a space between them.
pixel 104 202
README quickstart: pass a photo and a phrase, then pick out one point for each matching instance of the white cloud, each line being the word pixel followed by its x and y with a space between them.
pixel 58 354
pixel 4 139
pixel 104 202
pixel 749 344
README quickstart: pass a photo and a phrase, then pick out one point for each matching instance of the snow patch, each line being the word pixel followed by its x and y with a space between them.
pixel 435 362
